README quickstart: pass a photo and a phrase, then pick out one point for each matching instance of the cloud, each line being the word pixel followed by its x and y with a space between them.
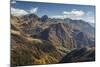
pixel 89 13
pixel 13 2
pixel 90 19
pixel 33 10
pixel 74 13
pixel 20 12
pixel 58 16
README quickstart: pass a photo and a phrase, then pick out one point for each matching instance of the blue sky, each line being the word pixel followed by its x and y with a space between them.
pixel 54 10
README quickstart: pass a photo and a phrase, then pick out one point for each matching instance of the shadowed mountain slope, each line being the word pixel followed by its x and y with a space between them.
pixel 79 55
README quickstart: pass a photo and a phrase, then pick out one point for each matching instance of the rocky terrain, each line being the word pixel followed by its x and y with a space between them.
pixel 44 40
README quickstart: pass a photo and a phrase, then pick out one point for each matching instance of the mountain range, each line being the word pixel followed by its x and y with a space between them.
pixel 45 40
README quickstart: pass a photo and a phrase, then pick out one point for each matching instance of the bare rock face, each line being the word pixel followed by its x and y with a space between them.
pixel 59 35
pixel 62 35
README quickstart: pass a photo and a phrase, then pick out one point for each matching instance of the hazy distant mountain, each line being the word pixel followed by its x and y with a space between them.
pixel 81 25
pixel 82 39
pixel 92 24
